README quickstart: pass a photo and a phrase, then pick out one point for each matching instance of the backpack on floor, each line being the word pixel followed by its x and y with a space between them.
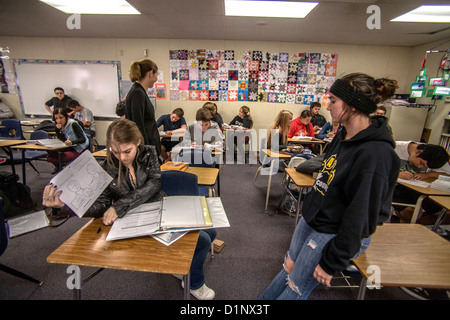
pixel 16 196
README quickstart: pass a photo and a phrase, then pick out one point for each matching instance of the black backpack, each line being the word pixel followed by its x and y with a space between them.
pixel 46 125
pixel 16 196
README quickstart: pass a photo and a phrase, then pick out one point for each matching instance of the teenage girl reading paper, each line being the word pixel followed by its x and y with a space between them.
pixel 136 180
pixel 71 133
pixel 352 194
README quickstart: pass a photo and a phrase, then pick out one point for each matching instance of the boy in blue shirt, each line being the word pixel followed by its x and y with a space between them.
pixel 172 123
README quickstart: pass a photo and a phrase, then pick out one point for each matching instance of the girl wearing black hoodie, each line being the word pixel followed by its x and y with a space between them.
pixel 352 194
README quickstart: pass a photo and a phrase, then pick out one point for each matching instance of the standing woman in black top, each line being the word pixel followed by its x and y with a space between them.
pixel 139 109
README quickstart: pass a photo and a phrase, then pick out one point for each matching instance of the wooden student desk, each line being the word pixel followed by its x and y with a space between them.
pixel 425 192
pixel 6 146
pixel 444 202
pixel 301 180
pixel 407 255
pixel 270 156
pixel 309 141
pixel 89 248
pixel 25 147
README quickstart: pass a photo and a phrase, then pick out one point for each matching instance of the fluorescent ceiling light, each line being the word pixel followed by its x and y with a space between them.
pixel 428 13
pixel 92 6
pixel 278 9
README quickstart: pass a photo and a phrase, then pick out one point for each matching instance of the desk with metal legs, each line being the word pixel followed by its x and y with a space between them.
pixel 405 255
pixel 89 248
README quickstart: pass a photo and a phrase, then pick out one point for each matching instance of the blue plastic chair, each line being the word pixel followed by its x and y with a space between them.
pixel 4 245
pixel 12 130
pixel 182 183
pixel 179 183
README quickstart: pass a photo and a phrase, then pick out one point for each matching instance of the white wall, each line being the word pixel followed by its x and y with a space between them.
pixel 378 61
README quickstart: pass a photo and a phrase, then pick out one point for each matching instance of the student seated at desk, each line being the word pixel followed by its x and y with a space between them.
pixel 243 119
pixel 216 117
pixel 83 115
pixel 172 123
pixel 302 125
pixel 351 196
pixel 202 131
pixel 136 180
pixel 70 132
pixel 277 137
pixel 329 130
pixel 419 161
pixel 317 120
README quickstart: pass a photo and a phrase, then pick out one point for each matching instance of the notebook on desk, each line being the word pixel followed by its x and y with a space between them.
pixel 172 214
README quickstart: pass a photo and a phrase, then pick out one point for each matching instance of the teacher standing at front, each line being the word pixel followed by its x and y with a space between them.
pixel 139 108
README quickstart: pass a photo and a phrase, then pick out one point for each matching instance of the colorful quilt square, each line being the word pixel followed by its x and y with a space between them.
pixel 252 86
pixel 182 55
pixel 233 85
pixel 203 74
pixel 203 85
pixel 253 96
pixel 291 88
pixel 223 85
pixel 242 95
pixel 253 65
pixel 257 55
pixel 263 76
pixel 184 74
pixel 308 99
pixel 321 68
pixel 292 79
pixel 283 57
pixel 243 75
pixel 184 95
pixel 174 74
pixel 299 99
pixel 229 55
pixel 223 95
pixel 243 85
pixel 213 95
pixel 253 76
pixel 281 98
pixel 203 95
pixel 314 58
pixel 272 97
pixel 303 57
pixel 331 70
pixel 193 95
pixel 213 84
pixel 232 95
pixel 201 54
pixel 213 64
pixel 173 54
pixel 193 85
pixel 262 96
pixel 233 75
pixel 203 64
pixel 311 79
pixel 264 65
pixel 174 95
pixel 290 98
pixel 293 68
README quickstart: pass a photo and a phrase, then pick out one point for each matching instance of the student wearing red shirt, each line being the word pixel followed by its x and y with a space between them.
pixel 302 125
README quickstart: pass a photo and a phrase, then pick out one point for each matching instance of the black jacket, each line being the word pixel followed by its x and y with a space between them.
pixel 125 198
pixel 140 110
pixel 353 192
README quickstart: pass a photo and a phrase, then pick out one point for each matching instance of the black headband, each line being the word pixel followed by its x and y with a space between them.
pixel 352 96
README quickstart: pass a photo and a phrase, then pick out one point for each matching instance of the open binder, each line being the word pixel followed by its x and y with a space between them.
pixel 172 214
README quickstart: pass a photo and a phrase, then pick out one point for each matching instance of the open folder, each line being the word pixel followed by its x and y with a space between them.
pixel 172 214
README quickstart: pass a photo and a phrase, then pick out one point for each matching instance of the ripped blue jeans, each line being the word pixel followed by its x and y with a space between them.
pixel 305 251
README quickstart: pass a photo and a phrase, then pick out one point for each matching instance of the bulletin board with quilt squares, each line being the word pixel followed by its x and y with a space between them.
pixel 228 75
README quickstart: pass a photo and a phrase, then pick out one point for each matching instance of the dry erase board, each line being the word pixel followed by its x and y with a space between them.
pixel 95 84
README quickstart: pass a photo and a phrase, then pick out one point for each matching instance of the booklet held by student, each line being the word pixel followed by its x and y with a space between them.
pixel 172 214
pixel 81 183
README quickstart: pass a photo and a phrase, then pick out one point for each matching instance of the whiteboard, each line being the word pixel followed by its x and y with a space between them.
pixel 95 84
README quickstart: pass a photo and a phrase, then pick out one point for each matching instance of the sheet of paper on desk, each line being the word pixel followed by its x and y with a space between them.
pixel 51 143
pixel 81 183
pixel 418 183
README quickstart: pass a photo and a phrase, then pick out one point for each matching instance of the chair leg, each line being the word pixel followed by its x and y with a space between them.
pixel 212 250
pixel 19 274
pixel 31 164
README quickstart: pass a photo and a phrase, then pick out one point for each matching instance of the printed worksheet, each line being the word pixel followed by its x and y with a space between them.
pixel 81 183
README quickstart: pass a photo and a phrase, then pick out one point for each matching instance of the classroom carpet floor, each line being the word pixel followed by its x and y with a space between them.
pixel 255 246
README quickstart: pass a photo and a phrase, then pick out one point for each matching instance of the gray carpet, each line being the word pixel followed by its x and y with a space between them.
pixel 256 243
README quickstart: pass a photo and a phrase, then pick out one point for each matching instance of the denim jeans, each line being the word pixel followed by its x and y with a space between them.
pixel 205 238
pixel 305 251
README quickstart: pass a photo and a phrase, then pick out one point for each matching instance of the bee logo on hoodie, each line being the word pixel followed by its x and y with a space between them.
pixel 325 177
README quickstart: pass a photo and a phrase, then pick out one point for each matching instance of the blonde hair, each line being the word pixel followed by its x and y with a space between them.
pixel 122 131
pixel 138 69
pixel 282 123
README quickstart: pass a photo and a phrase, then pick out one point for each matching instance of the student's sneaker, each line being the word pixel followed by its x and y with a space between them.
pixel 202 293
